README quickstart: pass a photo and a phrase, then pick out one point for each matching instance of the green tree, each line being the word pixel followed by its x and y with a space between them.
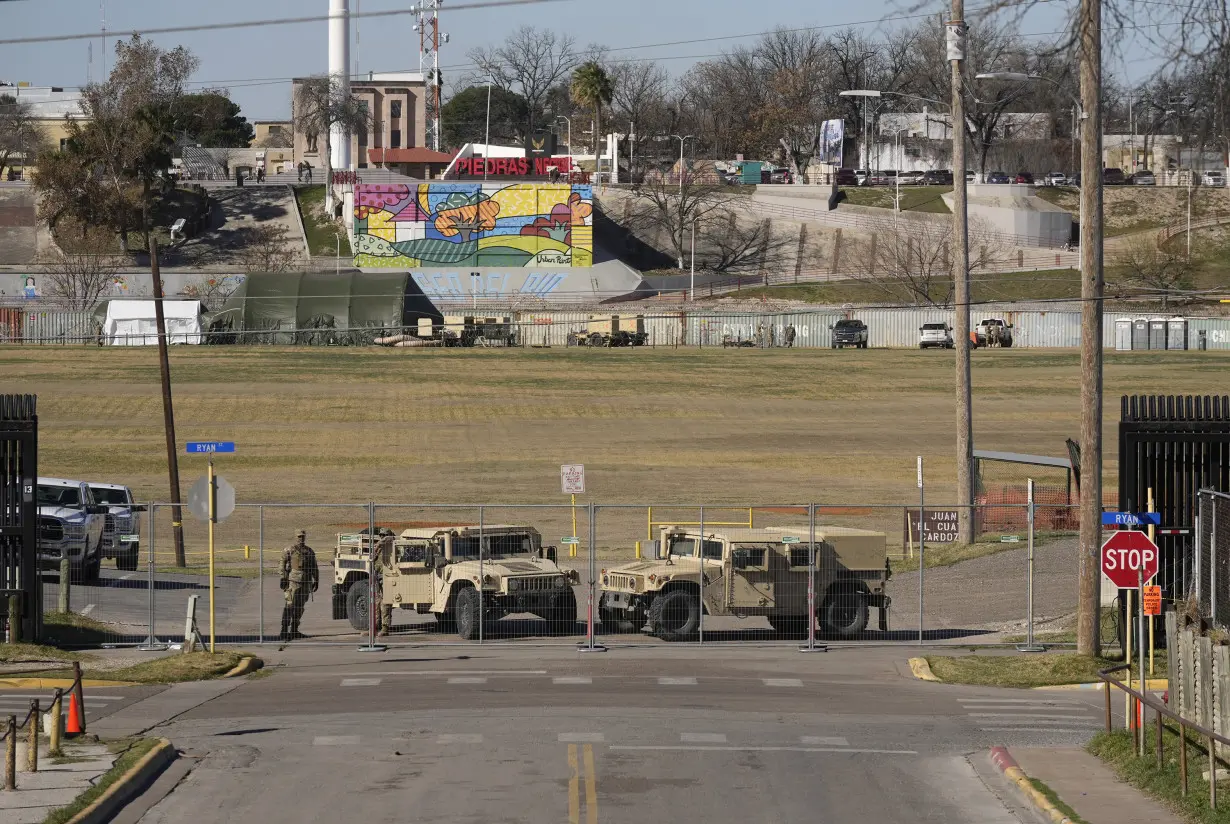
pixel 20 132
pixel 116 156
pixel 464 117
pixel 592 87
pixel 210 118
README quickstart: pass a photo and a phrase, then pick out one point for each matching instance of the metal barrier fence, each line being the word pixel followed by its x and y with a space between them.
pixel 1211 566
pixel 594 575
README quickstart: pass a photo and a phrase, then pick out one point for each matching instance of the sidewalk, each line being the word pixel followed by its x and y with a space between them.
pixel 54 785
pixel 1090 787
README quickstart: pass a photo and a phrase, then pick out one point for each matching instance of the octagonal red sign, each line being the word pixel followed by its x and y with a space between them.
pixel 1127 556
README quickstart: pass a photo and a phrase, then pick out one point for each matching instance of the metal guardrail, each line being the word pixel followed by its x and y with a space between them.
pixel 1162 711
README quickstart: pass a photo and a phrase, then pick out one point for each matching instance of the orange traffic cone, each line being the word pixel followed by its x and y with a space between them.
pixel 72 726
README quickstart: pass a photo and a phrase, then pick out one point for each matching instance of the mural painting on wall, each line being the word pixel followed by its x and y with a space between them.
pixel 399 226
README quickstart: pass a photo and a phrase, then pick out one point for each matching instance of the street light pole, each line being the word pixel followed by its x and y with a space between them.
pixel 960 277
pixel 487 134
pixel 682 138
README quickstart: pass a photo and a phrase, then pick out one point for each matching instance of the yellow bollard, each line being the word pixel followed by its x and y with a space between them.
pixel 638 549
pixel 247 552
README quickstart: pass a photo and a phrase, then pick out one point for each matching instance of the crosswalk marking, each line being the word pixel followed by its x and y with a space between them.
pixel 459 738
pixel 702 737
pixel 360 682
pixel 1014 701
pixel 87 609
pixel 572 679
pixel 465 680
pixel 676 681
pixel 1031 716
pixel 782 682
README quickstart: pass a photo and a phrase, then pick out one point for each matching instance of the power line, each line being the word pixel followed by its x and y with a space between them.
pixel 249 24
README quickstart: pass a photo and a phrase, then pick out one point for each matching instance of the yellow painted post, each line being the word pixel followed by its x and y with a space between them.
pixel 212 496
pixel 1152 537
pixel 649 524
pixel 1127 633
pixel 749 518
pixel 247 552
pixel 638 550
pixel 572 548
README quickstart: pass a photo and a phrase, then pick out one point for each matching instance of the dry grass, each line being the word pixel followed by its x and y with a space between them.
pixel 469 426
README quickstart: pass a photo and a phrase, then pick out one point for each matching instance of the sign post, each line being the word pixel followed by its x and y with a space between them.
pixel 1029 645
pixel 209 448
pixel 922 546
pixel 572 483
pixel 1130 560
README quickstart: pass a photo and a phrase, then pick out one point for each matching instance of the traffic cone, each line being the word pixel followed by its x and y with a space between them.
pixel 72 725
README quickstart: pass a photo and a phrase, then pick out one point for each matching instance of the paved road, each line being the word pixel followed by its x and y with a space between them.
pixel 99 701
pixel 546 735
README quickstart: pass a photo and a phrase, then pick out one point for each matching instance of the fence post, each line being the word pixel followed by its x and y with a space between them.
pixel 1204 687
pixel 1212 776
pixel 372 606
pixel 57 724
pixel 1187 674
pixel 32 744
pixel 1183 758
pixel 260 570
pixel 590 645
pixel 1029 645
pixel 1221 694
pixel 152 642
pixel 10 754
pixel 64 594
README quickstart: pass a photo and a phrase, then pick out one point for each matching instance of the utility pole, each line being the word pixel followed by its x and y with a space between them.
pixel 1092 288
pixel 960 279
pixel 168 413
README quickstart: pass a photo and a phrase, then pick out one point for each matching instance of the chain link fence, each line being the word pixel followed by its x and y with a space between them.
pixel 1210 581
pixel 591 575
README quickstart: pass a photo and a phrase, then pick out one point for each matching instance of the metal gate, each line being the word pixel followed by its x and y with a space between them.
pixel 1173 445
pixel 19 509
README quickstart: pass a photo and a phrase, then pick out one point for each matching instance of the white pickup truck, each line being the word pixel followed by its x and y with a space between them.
pixel 122 529
pixel 70 524
pixel 994 332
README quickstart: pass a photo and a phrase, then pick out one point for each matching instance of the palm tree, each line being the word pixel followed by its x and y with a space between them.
pixel 592 86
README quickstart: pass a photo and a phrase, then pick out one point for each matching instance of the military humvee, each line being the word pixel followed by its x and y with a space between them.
pixel 749 572
pixel 437 570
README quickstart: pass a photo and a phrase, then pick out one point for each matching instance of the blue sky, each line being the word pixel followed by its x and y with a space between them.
pixel 255 63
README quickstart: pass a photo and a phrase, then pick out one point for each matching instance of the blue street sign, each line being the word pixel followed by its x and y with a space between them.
pixel 1131 518
pixel 207 447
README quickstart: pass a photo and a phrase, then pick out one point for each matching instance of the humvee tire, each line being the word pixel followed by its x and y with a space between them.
pixel 356 605
pixel 128 561
pixel 469 615
pixel 613 622
pixel 844 613
pixel 562 616
pixel 675 616
pixel 791 626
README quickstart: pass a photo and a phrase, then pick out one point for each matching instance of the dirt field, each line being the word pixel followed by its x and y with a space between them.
pixel 467 426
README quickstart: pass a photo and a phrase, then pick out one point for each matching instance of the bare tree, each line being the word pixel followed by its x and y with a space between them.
pixel 672 208
pixel 729 241
pixel 20 132
pixel 319 106
pixel 269 248
pixel 224 155
pixel 276 139
pixel 640 99
pixel 530 62
pixel 908 259
pixel 212 290
pixel 1159 271
pixel 78 279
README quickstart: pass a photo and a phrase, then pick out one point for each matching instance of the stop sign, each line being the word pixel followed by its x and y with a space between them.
pixel 1127 556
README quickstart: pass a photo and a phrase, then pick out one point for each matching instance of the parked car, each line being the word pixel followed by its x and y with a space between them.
pixel 938 177
pixel 884 177
pixel 1055 179
pixel 70 525
pixel 122 527
pixel 1217 179
pixel 849 332
pixel 1113 177
pixel 1144 178
pixel 910 178
pixel 970 177
pixel 935 335
pixel 846 177
pixel 779 176
pixel 863 176
pixel 998 177
pixel 1024 178
pixel 994 332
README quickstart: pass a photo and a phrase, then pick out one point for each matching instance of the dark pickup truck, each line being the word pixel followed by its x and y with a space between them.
pixel 850 333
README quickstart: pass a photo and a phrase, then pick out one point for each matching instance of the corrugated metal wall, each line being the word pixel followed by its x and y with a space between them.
pixel 55 328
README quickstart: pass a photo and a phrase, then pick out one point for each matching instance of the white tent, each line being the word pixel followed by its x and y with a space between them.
pixel 131 322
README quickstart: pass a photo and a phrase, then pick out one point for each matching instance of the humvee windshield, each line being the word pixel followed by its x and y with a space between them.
pixel 494 546
pixel 682 547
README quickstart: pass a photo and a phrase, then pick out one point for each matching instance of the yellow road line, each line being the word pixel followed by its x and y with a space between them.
pixel 591 787
pixel 574 787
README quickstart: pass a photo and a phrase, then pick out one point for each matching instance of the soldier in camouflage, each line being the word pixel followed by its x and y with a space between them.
pixel 299 578
pixel 384 560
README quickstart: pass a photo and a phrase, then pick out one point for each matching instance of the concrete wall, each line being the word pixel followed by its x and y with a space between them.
pixel 1016 210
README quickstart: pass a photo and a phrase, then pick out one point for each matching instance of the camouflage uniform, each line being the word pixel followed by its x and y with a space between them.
pixel 299 578
pixel 384 560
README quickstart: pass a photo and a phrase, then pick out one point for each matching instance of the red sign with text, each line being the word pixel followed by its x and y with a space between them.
pixel 513 166
pixel 1128 558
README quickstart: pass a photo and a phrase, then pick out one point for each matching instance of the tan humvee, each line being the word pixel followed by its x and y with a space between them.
pixel 438 570
pixel 746 572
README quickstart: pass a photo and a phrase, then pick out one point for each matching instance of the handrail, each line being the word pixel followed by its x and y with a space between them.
pixel 1162 711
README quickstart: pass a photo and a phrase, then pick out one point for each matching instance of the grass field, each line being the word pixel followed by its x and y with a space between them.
pixel 660 426
pixel 913 198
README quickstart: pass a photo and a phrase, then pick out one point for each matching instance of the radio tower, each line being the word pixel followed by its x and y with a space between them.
pixel 430 38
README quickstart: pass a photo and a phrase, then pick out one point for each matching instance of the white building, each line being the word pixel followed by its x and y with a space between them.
pixel 919 141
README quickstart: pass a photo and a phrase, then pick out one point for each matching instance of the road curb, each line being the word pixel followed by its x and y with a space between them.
pixel 1150 684
pixel 247 665
pixel 57 683
pixel 1006 764
pixel 128 785
pixel 922 670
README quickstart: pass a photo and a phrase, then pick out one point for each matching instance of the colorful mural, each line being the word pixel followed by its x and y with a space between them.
pixel 403 226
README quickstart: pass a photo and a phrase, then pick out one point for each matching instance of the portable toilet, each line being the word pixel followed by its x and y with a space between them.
pixel 1157 333
pixel 1176 333
pixel 1140 333
pixel 1123 334
pixel 750 171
